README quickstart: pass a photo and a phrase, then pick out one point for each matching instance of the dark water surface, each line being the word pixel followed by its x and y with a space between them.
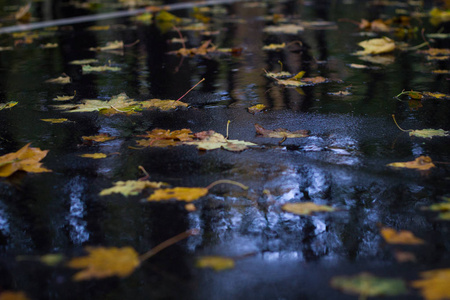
pixel 279 255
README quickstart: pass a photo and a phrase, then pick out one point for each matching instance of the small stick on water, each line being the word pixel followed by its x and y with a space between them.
pixel 167 243
pixel 228 182
pixel 393 117
pixel 190 90
pixel 228 126
pixel 147 176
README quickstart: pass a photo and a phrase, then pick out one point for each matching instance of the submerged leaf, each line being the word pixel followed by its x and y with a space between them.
pixel 376 46
pixel 179 193
pixel 55 121
pixel 25 159
pixel 105 68
pixel 94 155
pixel 306 208
pixel 104 262
pixel 421 163
pixel 434 284
pixel 403 237
pixel 280 132
pixel 131 187
pixel 217 263
pixel 366 284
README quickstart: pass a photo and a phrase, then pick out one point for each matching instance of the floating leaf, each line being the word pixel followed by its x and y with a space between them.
pixel 49 45
pixel 179 193
pixel 105 68
pixel 163 138
pixel 63 79
pixel 131 187
pixel 443 208
pixel 403 256
pixel 280 132
pixel 55 121
pixel 6 49
pixel 100 138
pixel 84 61
pixel 105 262
pixel 293 81
pixel 204 49
pixel 306 208
pixel 217 263
pixel 10 295
pixel 63 98
pixel 434 284
pixel 284 29
pixel 94 155
pixel 402 237
pixel 47 259
pixel 8 105
pixel 163 105
pixel 256 108
pixel 116 45
pixel 340 93
pixel 376 46
pixel 210 140
pixel 368 285
pixel 278 75
pixel 119 102
pixel 274 47
pixel 25 159
pixel 421 163
pixel 428 133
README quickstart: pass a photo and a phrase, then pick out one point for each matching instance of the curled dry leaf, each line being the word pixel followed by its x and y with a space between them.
pixel 131 187
pixel 421 163
pixel 280 132
pixel 402 237
pixel 376 46
pixel 434 284
pixel 217 263
pixel 306 208
pixel 178 193
pixel 368 285
pixel 25 159
pixel 104 262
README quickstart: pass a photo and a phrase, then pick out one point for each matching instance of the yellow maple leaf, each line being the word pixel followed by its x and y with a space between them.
pixel 25 159
pixel 217 263
pixel 179 193
pixel 422 163
pixel 131 187
pixel 94 155
pixel 403 237
pixel 105 262
pixel 434 284
pixel 306 208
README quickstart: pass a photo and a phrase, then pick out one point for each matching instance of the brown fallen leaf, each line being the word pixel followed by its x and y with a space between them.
pixel 11 295
pixel 403 237
pixel 306 208
pixel 210 140
pixel 434 284
pixel 104 262
pixel 280 132
pixel 25 159
pixel 164 138
pixel 63 79
pixel 421 163
pixel 163 105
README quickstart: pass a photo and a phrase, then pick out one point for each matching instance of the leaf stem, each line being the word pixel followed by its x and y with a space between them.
pixel 393 117
pixel 227 181
pixel 147 176
pixel 190 90
pixel 167 243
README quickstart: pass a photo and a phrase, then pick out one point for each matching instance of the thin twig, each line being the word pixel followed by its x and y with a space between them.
pixel 228 182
